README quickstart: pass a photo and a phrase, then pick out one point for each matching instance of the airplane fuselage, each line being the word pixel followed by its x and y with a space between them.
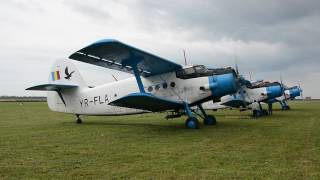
pixel 95 101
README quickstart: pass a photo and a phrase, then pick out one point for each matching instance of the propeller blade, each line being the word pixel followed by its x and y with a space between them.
pixel 300 91
pixel 243 97
pixel 282 87
pixel 237 70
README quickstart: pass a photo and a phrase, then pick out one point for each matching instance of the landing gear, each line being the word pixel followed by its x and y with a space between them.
pixel 192 122
pixel 79 121
pixel 207 120
pixel 210 120
pixel 284 106
pixel 256 113
pixel 264 112
pixel 270 109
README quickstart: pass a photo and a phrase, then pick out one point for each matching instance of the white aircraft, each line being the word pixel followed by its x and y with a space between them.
pixel 246 95
pixel 157 85
pixel 288 94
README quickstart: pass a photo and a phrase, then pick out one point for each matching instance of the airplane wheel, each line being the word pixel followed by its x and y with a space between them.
pixel 192 123
pixel 79 121
pixel 265 112
pixel 256 113
pixel 288 107
pixel 210 120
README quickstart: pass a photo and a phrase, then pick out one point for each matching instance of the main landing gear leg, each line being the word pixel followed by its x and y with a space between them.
pixel 207 120
pixel 263 111
pixel 284 105
pixel 192 122
pixel 79 121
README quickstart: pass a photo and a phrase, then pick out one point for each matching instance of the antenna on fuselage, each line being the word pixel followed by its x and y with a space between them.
pixel 185 59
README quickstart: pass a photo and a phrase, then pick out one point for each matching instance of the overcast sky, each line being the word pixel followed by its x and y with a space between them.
pixel 268 38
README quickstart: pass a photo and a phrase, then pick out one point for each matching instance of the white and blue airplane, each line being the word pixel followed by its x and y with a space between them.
pixel 247 95
pixel 289 93
pixel 158 84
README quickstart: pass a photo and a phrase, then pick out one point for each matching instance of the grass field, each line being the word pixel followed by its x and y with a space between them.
pixel 37 143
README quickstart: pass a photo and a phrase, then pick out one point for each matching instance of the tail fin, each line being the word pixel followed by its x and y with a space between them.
pixel 66 81
pixel 65 73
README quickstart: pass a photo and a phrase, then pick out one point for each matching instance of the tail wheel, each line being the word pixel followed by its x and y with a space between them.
pixel 79 121
pixel 210 120
pixel 192 123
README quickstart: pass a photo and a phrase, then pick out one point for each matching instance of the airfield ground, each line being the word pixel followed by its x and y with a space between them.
pixel 38 143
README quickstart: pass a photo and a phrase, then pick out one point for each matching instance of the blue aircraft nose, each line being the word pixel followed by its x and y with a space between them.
pixel 294 92
pixel 274 91
pixel 221 85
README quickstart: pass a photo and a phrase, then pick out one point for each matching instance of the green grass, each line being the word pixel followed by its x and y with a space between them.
pixel 36 143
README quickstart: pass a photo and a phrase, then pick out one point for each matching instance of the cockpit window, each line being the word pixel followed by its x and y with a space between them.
pixel 201 71
pixel 192 72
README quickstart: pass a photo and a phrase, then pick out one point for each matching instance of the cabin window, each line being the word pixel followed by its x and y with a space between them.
pixel 150 88
pixel 164 85
pixel 172 84
pixel 157 87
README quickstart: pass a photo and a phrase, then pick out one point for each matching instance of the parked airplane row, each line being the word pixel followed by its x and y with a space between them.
pixel 157 85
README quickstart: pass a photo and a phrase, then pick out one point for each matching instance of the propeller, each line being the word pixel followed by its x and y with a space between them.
pixel 282 88
pixel 300 91
pixel 241 83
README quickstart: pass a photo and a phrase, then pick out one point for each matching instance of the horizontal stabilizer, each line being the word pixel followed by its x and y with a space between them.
pixel 51 87
pixel 146 101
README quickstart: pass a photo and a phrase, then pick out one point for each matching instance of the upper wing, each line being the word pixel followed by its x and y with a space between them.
pixel 113 54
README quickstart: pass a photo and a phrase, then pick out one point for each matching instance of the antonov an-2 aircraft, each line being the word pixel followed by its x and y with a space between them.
pixel 247 95
pixel 158 84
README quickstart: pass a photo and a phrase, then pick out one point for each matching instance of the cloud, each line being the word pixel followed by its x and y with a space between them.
pixel 268 38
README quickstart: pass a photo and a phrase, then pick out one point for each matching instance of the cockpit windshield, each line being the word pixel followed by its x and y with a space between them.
pixel 265 84
pixel 192 72
pixel 201 71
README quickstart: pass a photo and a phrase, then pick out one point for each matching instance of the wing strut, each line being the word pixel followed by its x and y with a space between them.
pixel 138 77
pixel 133 61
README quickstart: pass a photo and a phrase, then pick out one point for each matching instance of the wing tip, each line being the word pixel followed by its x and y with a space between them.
pixel 107 40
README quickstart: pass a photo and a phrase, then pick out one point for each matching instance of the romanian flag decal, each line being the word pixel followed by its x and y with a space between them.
pixel 55 75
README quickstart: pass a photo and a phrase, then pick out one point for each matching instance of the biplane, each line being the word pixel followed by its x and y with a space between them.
pixel 248 94
pixel 157 84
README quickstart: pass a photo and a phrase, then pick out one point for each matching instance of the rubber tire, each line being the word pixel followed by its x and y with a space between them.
pixel 210 120
pixel 79 121
pixel 256 114
pixel 192 123
pixel 265 112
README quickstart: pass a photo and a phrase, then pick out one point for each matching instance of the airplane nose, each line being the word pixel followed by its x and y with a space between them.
pixel 274 91
pixel 294 93
pixel 223 84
